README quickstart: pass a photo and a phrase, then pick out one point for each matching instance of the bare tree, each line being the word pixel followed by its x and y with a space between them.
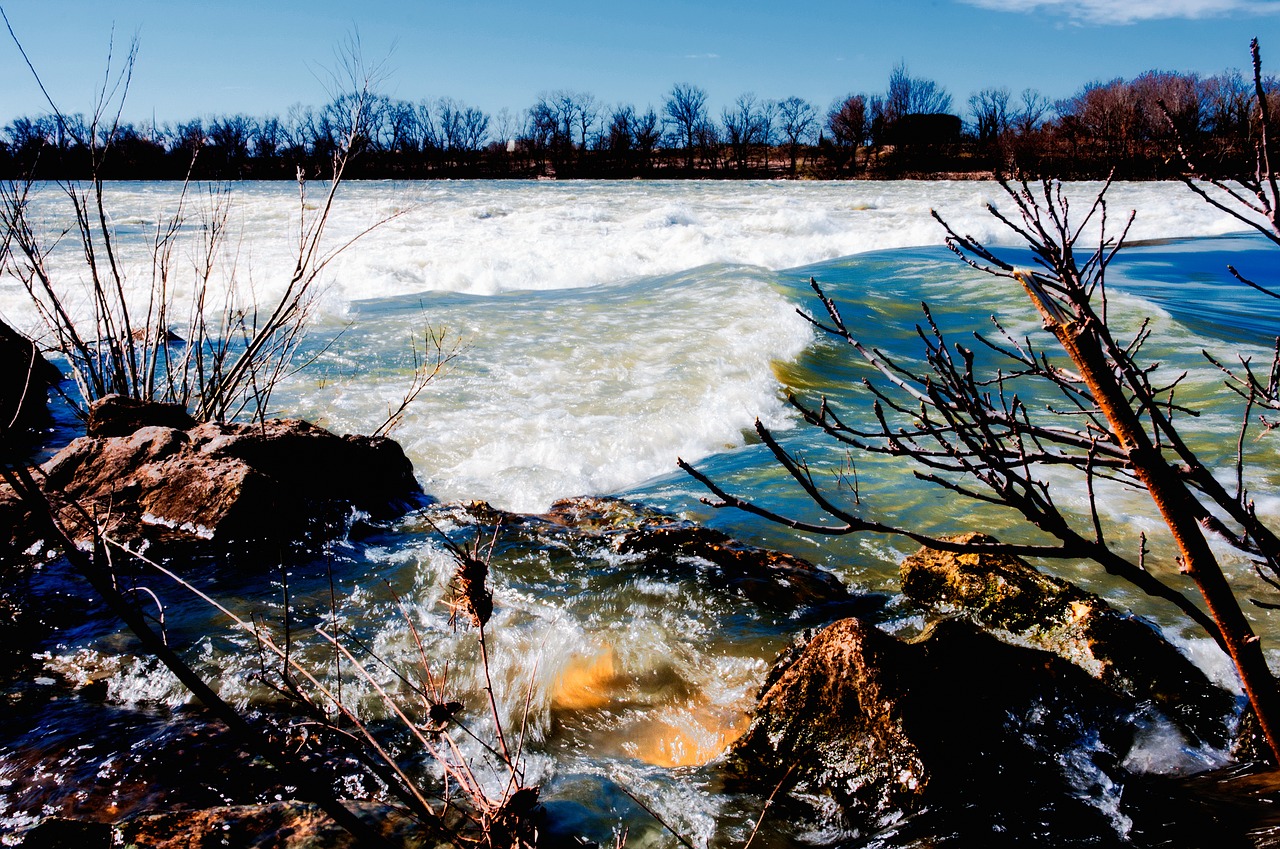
pixel 557 118
pixel 1228 100
pixel 187 139
pixel 620 137
pixel 908 95
pixel 1033 107
pixel 707 136
pixel 229 138
pixel 742 128
pixel 768 126
pixel 399 131
pixel 797 119
pixel 847 123
pixel 1183 110
pixel 991 115
pixel 504 127
pixel 1252 198
pixel 588 114
pixel 233 358
pixel 269 139
pixel 648 134
pixel 1108 115
pixel 685 109
pixel 463 129
pixel 974 435
pixel 427 126
pixel 1117 420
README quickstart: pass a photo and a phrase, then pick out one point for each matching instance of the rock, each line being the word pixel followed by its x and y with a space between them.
pixel 280 481
pixel 1025 606
pixel 157 336
pixel 951 719
pixel 661 543
pixel 760 574
pixel 120 415
pixel 24 383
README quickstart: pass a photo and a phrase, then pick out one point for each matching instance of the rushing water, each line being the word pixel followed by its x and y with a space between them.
pixel 606 329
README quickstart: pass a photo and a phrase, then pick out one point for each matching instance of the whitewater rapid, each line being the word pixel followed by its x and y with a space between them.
pixel 487 237
pixel 603 328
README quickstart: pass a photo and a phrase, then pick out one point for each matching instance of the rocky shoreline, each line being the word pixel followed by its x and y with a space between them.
pixel 1019 686
pixel 1020 691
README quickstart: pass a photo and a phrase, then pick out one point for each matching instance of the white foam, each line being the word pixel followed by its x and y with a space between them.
pixel 587 392
pixel 484 237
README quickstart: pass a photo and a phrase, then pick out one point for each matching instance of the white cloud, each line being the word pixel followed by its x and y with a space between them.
pixel 702 56
pixel 1113 12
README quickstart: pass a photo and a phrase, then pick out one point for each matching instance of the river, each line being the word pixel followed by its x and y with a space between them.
pixel 603 330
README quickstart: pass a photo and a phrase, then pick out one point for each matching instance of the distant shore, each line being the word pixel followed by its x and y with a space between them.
pixel 959 161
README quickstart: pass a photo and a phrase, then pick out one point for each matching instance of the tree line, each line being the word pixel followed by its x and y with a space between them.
pixel 1125 126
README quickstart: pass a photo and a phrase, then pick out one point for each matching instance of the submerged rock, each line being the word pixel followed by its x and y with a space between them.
pixel 276 482
pixel 663 543
pixel 953 718
pixel 1025 606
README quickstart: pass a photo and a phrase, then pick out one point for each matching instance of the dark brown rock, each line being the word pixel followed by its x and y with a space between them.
pixel 1024 605
pixel 120 415
pixel 25 378
pixel 832 713
pixel 888 727
pixel 276 482
pixel 763 575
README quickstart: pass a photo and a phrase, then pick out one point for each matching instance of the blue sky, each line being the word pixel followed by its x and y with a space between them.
pixel 261 56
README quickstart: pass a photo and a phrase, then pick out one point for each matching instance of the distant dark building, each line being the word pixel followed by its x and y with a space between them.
pixel 925 130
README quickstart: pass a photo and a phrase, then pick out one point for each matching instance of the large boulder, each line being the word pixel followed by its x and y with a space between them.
pixel 1025 606
pixel 275 482
pixel 952 719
